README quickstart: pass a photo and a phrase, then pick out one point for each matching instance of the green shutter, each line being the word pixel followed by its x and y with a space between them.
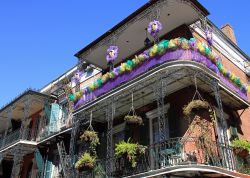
pixel 39 161
pixel 48 170
pixel 233 132
pixel 54 116
pixel 47 109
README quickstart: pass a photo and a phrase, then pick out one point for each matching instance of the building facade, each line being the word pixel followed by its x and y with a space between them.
pixel 170 100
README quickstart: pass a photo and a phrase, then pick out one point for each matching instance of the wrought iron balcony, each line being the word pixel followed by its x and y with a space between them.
pixel 50 129
pixel 16 136
pixel 170 154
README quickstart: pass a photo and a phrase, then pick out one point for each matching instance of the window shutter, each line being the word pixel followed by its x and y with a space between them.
pixel 233 132
pixel 39 161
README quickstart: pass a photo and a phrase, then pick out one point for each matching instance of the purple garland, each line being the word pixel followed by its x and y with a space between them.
pixel 179 54
pixel 209 36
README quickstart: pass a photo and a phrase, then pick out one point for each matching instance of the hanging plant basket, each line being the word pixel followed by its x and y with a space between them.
pixel 131 117
pixel 134 119
pixel 90 136
pixel 195 104
pixel 86 162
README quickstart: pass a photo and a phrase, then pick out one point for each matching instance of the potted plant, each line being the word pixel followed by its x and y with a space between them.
pixel 85 162
pixel 130 151
pixel 241 147
pixel 195 105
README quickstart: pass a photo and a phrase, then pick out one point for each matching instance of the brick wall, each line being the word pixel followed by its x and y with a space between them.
pixel 244 114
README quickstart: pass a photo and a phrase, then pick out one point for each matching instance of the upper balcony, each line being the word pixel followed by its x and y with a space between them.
pixel 178 49
pixel 19 120
pixel 167 59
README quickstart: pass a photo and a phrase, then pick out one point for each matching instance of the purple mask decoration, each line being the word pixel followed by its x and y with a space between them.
pixel 112 53
pixel 154 28
pixel 209 37
pixel 77 77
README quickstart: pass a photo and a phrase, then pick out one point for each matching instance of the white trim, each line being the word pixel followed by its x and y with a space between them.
pixel 54 135
pixel 83 79
pixel 201 169
pixel 151 115
pixel 232 93
pixel 19 142
pixel 44 89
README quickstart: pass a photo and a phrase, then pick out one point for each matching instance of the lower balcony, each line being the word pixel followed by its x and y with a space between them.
pixel 173 157
pixel 16 136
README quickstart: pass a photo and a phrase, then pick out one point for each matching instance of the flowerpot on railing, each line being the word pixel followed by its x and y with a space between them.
pixel 243 153
pixel 241 148
pixel 130 151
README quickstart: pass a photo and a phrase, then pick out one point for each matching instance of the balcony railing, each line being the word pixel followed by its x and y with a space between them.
pixel 14 137
pixel 172 152
pixel 51 129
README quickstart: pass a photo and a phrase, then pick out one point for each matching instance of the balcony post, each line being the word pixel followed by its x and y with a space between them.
pixel 17 163
pixel 110 111
pixel 74 133
pixel 228 159
pixel 221 121
pixel 25 122
pixel 160 93
pixel 9 115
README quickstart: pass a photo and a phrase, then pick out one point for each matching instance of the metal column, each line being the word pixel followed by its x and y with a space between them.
pixel 110 111
pixel 17 163
pixel 228 159
pixel 74 133
pixel 24 132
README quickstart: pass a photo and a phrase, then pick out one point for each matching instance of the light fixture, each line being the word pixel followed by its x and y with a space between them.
pixel 147 40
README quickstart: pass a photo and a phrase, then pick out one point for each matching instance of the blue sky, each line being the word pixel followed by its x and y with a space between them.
pixel 39 38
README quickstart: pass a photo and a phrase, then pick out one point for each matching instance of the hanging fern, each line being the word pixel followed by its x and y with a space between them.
pixel 130 150
pixel 86 161
pixel 195 104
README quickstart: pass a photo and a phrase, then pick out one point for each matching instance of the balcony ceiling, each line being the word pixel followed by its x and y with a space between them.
pixel 36 104
pixel 131 31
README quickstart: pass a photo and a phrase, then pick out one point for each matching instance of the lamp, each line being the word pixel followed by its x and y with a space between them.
pixel 147 40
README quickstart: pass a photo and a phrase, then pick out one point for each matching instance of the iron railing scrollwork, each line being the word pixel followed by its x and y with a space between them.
pixel 175 151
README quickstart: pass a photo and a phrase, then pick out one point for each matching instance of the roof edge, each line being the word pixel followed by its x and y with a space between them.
pixel 26 92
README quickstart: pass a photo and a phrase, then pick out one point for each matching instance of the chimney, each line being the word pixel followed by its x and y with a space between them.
pixel 229 32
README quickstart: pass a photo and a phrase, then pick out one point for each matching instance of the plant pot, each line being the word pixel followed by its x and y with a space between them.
pixel 133 120
pixel 243 153
pixel 86 167
pixel 196 107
